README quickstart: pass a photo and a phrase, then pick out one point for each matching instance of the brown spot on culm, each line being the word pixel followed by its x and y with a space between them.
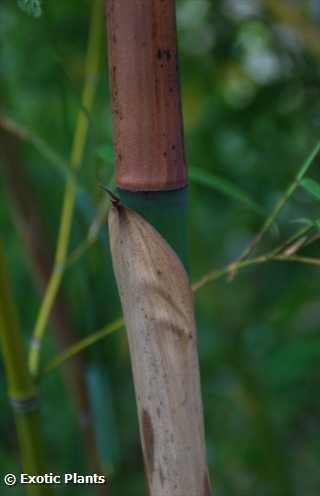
pixel 165 53
pixel 148 441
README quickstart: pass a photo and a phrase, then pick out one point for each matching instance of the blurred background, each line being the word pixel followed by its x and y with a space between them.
pixel 250 80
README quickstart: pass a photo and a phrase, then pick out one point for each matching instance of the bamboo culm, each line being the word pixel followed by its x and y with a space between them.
pixel 21 389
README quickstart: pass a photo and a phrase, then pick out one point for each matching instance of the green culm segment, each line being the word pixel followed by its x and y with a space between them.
pixel 21 389
pixel 166 211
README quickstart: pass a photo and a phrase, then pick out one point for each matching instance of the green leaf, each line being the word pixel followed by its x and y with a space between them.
pixel 311 186
pixel 49 154
pixel 308 162
pixel 103 410
pixel 31 7
pixel 105 152
pixel 224 186
pixel 303 220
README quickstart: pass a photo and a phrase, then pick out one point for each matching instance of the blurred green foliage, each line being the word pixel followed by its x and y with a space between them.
pixel 31 7
pixel 250 84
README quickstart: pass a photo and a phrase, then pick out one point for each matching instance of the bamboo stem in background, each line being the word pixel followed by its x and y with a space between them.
pixel 21 389
pixel 151 177
pixel 81 131
pixel 33 233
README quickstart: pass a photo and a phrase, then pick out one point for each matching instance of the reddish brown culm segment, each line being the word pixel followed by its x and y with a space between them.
pixel 146 107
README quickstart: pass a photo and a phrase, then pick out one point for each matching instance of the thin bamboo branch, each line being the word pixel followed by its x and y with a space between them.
pixel 83 344
pixel 211 277
pixel 233 267
pixel 81 131
pixel 282 202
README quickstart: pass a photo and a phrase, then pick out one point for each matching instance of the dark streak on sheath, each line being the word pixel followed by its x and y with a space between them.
pixel 206 486
pixel 148 440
